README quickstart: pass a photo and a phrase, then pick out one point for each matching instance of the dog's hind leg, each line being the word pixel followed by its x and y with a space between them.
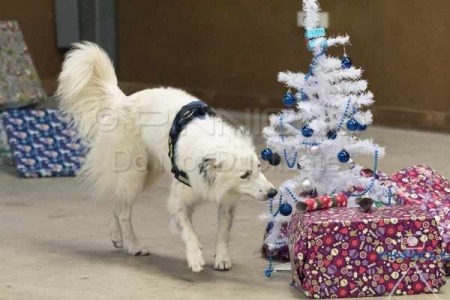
pixel 123 212
pixel 180 205
pixel 128 185
pixel 226 214
pixel 116 232
pixel 117 166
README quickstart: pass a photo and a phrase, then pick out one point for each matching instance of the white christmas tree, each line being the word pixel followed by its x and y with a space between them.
pixel 316 136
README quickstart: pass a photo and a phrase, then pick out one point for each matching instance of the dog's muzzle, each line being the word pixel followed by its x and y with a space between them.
pixel 272 193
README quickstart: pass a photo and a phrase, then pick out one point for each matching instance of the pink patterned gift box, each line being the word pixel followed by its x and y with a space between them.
pixel 344 252
pixel 421 185
pixel 280 253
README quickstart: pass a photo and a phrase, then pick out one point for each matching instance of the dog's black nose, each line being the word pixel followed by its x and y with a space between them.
pixel 272 193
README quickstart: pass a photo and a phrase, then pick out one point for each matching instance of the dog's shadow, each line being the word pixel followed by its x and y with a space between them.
pixel 167 266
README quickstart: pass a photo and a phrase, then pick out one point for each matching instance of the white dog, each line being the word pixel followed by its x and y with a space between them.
pixel 128 138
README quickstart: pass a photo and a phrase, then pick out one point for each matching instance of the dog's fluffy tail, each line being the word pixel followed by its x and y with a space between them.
pixel 87 87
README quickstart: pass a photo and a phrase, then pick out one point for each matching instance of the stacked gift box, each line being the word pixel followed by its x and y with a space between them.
pixel 421 185
pixel 400 249
pixel 345 252
pixel 36 141
pixel 19 82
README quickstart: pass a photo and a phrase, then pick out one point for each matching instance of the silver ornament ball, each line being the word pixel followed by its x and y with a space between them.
pixel 366 195
pixel 314 150
pixel 351 164
pixel 354 138
pixel 306 185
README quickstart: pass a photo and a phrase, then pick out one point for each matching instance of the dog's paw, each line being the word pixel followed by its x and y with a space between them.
pixel 117 243
pixel 138 251
pixel 116 234
pixel 195 259
pixel 222 263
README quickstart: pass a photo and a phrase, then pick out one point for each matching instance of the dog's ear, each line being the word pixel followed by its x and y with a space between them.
pixel 208 168
pixel 244 134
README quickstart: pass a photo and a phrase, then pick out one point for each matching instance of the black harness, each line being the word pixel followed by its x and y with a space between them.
pixel 189 112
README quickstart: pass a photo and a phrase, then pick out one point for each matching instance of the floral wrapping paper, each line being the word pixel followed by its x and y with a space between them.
pixel 343 252
pixel 281 252
pixel 19 81
pixel 421 185
pixel 42 144
pixel 5 150
pixel 417 184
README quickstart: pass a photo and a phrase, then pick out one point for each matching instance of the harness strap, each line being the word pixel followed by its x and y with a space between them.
pixel 189 112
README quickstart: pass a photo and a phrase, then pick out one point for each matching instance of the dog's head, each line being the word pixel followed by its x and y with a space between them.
pixel 237 171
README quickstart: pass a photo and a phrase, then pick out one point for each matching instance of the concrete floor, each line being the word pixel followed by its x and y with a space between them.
pixel 55 245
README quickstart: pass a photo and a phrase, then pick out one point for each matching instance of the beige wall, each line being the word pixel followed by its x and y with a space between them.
pixel 404 47
pixel 229 52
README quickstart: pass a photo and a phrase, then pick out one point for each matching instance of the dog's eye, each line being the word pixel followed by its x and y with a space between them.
pixel 259 166
pixel 246 175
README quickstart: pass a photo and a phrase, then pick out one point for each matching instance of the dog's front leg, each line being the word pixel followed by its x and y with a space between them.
pixel 226 214
pixel 180 206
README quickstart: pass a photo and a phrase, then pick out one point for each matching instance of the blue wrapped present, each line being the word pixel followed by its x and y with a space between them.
pixel 42 144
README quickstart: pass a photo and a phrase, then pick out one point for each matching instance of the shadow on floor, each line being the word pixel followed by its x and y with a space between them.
pixel 167 266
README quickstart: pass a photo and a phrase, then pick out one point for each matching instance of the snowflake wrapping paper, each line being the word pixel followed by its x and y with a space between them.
pixel 344 252
pixel 421 185
pixel 19 82
pixel 42 144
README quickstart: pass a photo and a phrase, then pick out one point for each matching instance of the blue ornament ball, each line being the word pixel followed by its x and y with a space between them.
pixel 346 62
pixel 307 132
pixel 285 209
pixel 275 159
pixel 269 226
pixel 332 134
pixel 362 127
pixel 352 125
pixel 289 99
pixel 302 96
pixel 266 154
pixel 343 156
